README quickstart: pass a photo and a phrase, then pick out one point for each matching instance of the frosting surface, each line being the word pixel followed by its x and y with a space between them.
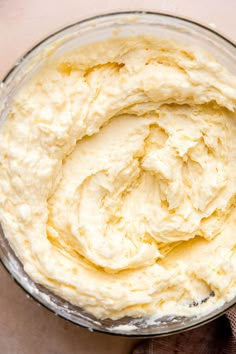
pixel 118 178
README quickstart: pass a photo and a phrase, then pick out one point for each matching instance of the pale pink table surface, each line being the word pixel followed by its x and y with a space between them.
pixel 26 327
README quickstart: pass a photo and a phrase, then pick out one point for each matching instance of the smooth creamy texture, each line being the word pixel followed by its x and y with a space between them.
pixel 118 178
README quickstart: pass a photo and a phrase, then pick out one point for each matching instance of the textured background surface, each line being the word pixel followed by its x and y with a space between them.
pixel 26 327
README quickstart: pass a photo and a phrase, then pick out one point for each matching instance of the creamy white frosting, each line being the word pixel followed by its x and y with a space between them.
pixel 118 178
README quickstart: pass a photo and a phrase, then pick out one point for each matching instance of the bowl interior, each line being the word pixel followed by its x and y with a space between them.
pixel 88 31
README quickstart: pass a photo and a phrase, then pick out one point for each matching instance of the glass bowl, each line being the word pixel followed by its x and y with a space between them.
pixel 71 37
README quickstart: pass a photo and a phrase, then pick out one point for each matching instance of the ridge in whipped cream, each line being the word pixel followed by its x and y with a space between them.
pixel 118 178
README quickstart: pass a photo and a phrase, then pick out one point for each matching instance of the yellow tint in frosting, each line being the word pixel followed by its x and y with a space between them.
pixel 118 178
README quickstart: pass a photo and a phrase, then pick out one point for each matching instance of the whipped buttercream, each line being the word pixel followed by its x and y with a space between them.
pixel 118 178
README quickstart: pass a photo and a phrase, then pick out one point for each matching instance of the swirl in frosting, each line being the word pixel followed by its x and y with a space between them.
pixel 118 178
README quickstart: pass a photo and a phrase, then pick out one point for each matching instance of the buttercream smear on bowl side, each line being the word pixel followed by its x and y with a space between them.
pixel 118 178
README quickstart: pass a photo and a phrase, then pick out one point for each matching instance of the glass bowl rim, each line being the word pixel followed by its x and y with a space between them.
pixel 111 14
